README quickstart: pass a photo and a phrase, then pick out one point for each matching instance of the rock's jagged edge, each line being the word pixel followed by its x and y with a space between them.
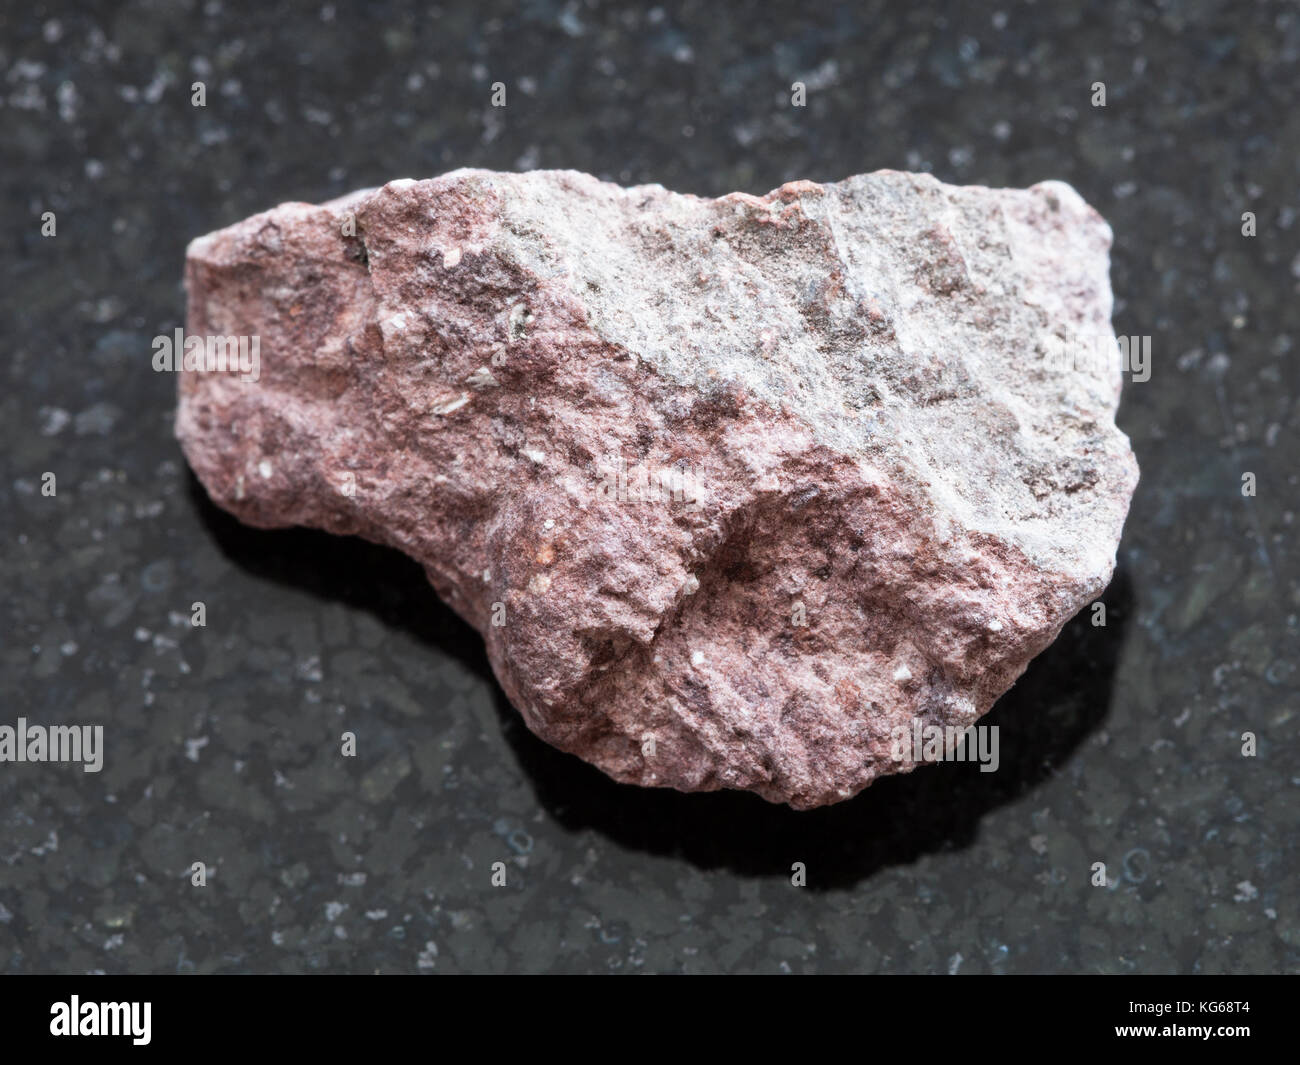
pixel 852 375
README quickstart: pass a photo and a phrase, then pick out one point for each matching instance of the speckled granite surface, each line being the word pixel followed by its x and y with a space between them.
pixel 1121 744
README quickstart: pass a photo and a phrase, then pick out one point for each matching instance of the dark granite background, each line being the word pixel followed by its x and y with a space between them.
pixel 1121 744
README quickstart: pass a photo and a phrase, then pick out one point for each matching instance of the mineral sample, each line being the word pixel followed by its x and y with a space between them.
pixel 737 490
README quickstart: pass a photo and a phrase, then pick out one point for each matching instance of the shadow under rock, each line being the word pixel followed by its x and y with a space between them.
pixel 1061 699
pixel 348 570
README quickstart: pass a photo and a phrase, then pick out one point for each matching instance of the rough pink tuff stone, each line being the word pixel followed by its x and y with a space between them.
pixel 850 381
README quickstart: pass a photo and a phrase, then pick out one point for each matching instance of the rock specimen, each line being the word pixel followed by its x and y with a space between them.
pixel 734 489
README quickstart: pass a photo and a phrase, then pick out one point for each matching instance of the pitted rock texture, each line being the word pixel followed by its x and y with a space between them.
pixel 735 490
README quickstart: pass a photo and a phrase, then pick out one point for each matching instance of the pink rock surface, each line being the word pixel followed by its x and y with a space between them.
pixel 733 489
